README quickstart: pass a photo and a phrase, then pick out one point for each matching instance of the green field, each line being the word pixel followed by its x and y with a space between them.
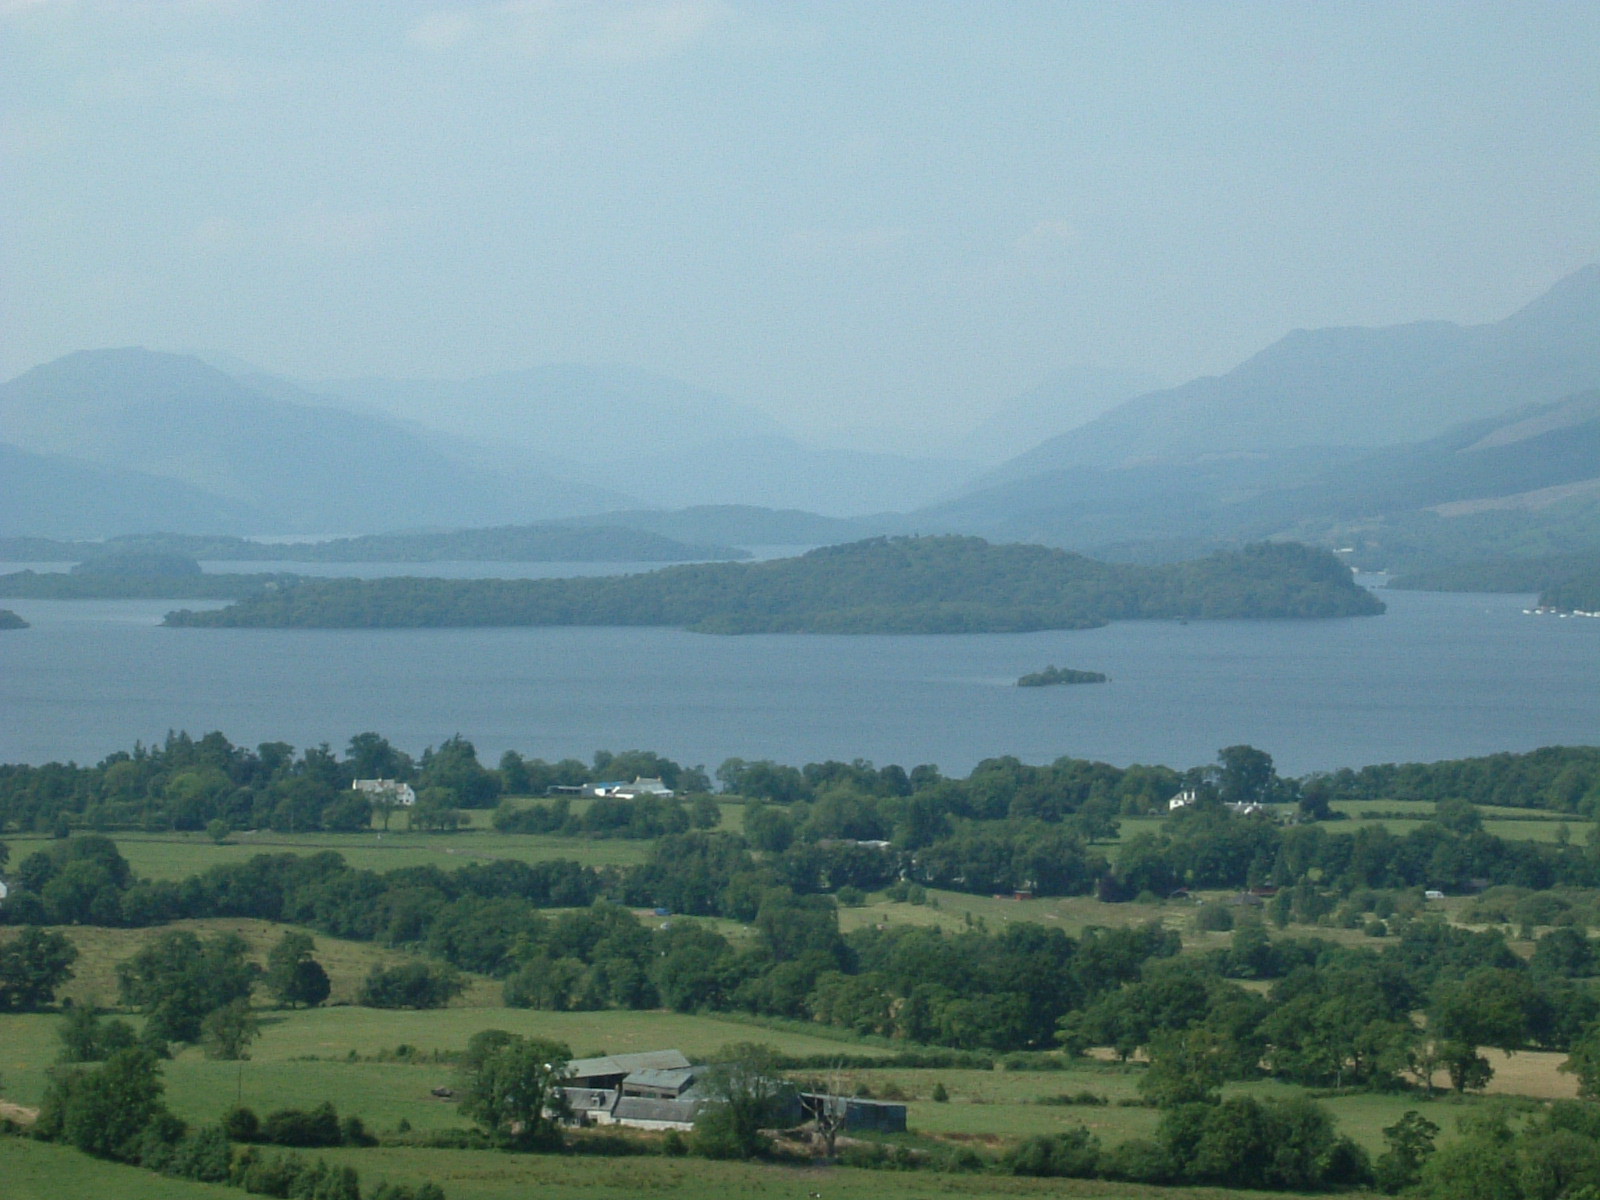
pixel 347 963
pixel 177 855
pixel 37 1171
pixel 304 1056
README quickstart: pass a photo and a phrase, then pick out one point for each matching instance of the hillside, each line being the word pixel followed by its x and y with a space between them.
pixel 293 466
pixel 1580 593
pixel 505 543
pixel 1524 482
pixel 52 496
pixel 883 585
pixel 652 436
pixel 1350 387
pixel 740 525
pixel 1536 574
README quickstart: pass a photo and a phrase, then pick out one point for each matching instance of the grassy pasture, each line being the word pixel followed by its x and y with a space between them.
pixel 178 855
pixel 302 1055
pixel 37 1171
pixel 347 963
pixel 1070 913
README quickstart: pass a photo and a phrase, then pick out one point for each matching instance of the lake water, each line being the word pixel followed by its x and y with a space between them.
pixel 1439 676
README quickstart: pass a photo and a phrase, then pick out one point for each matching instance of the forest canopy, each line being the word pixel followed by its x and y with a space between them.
pixel 946 584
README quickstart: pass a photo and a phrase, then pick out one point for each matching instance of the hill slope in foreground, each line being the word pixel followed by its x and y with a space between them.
pixel 882 585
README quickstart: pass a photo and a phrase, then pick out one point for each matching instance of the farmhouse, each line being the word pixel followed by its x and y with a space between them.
pixel 390 790
pixel 629 791
pixel 653 1090
pixel 658 1090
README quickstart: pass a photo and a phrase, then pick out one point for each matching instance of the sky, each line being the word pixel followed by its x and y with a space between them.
pixel 878 222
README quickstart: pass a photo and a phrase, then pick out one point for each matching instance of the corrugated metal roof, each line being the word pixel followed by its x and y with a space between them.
pixel 676 1079
pixel 625 1064
pixel 643 1108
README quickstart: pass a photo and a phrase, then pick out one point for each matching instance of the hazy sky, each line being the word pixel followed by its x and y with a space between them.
pixel 849 213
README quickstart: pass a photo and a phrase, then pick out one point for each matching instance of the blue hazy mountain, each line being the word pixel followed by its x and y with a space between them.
pixel 287 465
pixel 49 496
pixel 1350 387
pixel 661 439
pixel 1321 429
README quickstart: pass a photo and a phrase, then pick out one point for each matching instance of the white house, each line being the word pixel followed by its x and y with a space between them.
pixel 630 791
pixel 1183 799
pixel 390 790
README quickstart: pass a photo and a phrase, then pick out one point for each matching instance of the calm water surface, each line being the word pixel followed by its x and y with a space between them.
pixel 1438 676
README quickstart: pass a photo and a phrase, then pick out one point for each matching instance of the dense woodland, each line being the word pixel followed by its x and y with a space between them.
pixel 1581 593
pixel 1536 574
pixel 882 585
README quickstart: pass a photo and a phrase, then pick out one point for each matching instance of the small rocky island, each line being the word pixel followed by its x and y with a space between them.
pixel 10 620
pixel 1051 676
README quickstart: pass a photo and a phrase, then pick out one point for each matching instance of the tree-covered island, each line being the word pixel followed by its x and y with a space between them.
pixel 10 620
pixel 1052 676
pixel 944 584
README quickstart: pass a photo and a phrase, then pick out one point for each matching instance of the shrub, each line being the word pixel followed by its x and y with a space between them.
pixel 241 1124
pixel 1074 1154
pixel 298 1127
pixel 204 1155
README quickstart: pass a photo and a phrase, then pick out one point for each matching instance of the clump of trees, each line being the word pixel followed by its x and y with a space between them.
pixel 411 985
pixel 178 980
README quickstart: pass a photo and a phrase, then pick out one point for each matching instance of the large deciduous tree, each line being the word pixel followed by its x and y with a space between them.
pixel 293 976
pixel 509 1086
pixel 32 966
pixel 748 1093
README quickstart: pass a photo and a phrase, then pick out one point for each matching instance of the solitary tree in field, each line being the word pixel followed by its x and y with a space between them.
pixel 229 1030
pixel 293 976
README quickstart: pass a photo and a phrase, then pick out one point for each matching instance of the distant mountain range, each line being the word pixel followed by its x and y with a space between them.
pixel 659 439
pixel 52 496
pixel 1413 445
pixel 232 458
pixel 1407 441
pixel 109 442
pixel 1349 387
